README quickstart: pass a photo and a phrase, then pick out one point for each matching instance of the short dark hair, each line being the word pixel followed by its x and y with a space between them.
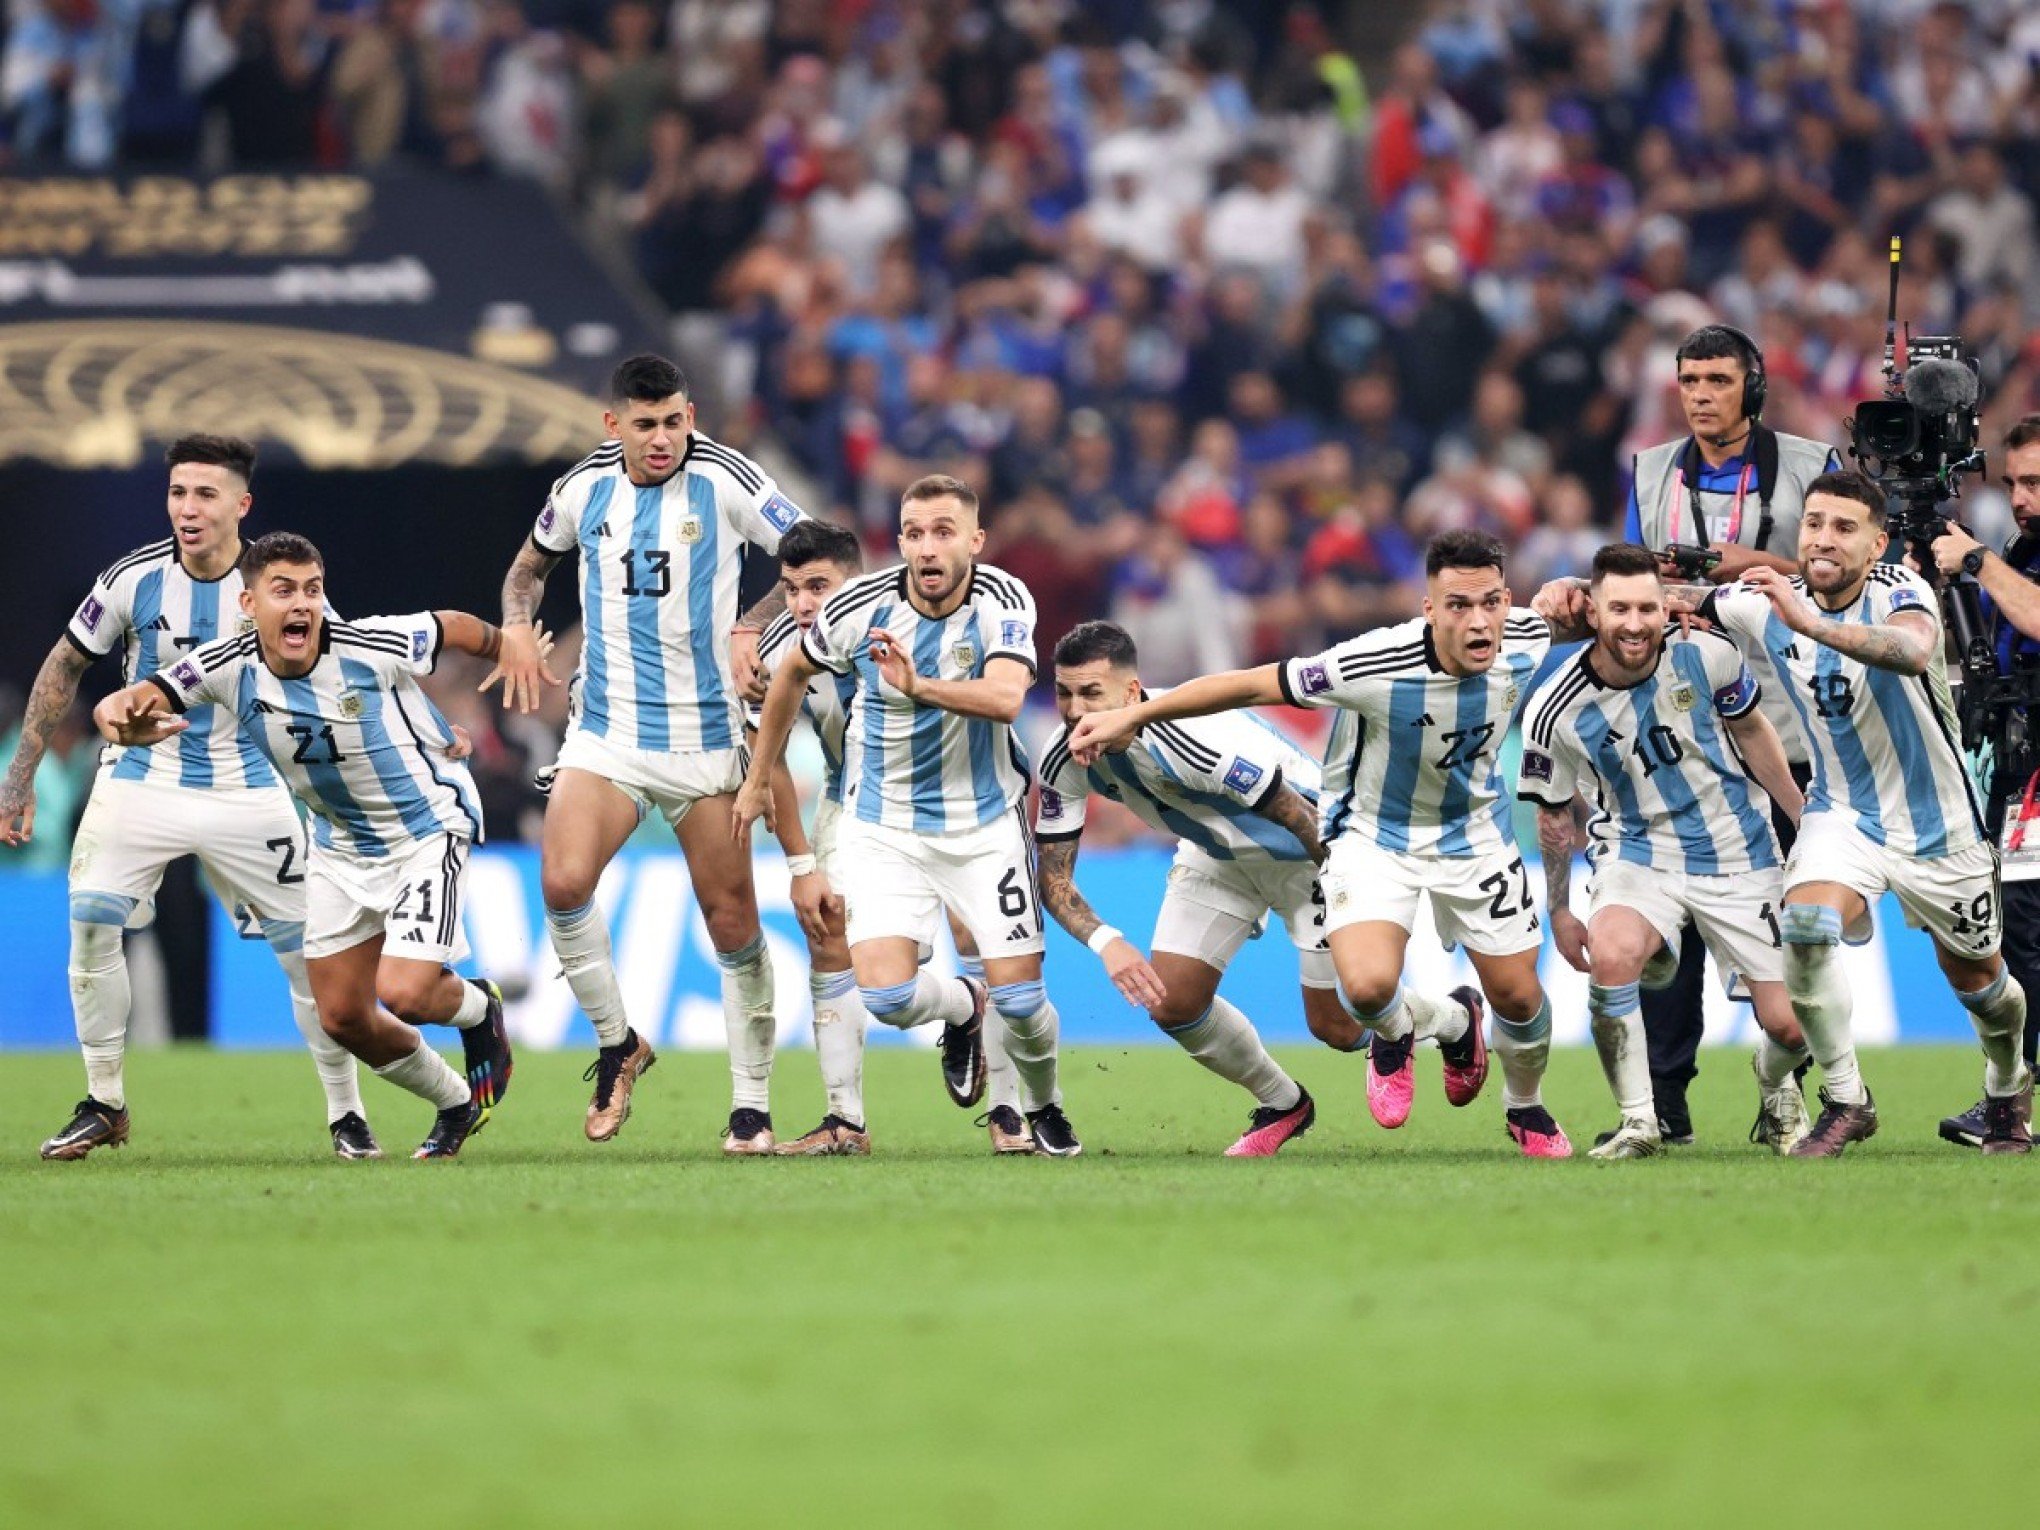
pixel 647 377
pixel 1465 549
pixel 1088 642
pixel 2025 431
pixel 814 541
pixel 936 485
pixel 1621 559
pixel 230 452
pixel 277 547
pixel 1846 483
pixel 1712 341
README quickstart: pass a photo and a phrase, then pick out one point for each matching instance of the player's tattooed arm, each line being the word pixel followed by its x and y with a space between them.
pixel 1289 809
pixel 520 661
pixel 745 668
pixel 1059 893
pixel 1555 844
pixel 56 687
pixel 1904 645
pixel 524 585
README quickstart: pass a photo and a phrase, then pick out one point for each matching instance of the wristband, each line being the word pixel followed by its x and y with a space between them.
pixel 800 865
pixel 1102 937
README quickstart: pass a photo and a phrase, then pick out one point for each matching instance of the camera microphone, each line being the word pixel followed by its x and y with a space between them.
pixel 1937 386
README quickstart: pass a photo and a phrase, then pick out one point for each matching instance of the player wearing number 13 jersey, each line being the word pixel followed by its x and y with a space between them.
pixel 1857 646
pixel 659 516
pixel 1413 805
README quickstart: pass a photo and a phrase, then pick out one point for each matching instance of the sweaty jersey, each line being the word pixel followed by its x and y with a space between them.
pixel 1669 791
pixel 826 705
pixel 355 738
pixel 659 570
pixel 911 766
pixel 158 613
pixel 1882 745
pixel 1201 779
pixel 1413 763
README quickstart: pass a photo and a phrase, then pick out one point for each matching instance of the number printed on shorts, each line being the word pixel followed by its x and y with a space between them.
pixel 1770 917
pixel 1977 916
pixel 421 910
pixel 309 742
pixel 1012 895
pixel 1497 884
pixel 285 874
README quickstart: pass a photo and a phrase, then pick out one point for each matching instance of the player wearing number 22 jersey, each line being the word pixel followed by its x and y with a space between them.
pixel 1413 805
pixel 1857 646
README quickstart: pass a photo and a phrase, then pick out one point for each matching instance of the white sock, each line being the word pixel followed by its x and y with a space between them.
pixel 1391 1024
pixel 839 1042
pixel 1617 1015
pixel 1435 1019
pixel 1820 996
pixel 339 1075
pixel 580 939
pixel 1999 1015
pixel 1524 1047
pixel 474 1006
pixel 920 1001
pixel 426 1074
pixel 749 1022
pixel 99 1007
pixel 1033 1029
pixel 1775 1062
pixel 1225 1042
pixel 1002 1084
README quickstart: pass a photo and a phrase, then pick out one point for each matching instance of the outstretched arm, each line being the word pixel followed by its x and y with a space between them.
pixel 1903 644
pixel 143 714
pixel 1129 970
pixel 1099 731
pixel 519 664
pixel 997 695
pixel 56 687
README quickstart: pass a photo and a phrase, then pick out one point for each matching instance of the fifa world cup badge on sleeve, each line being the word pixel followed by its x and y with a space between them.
pixel 1242 776
pixel 1051 802
pixel 90 613
pixel 1536 765
pixel 780 511
pixel 1904 596
pixel 421 644
pixel 185 674
pixel 546 518
pixel 1012 634
pixel 1314 680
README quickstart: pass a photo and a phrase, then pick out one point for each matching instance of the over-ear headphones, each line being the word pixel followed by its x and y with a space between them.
pixel 1756 383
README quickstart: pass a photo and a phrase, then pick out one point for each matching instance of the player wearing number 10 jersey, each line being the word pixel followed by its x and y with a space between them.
pixel 1856 645
pixel 1413 805
pixel 659 516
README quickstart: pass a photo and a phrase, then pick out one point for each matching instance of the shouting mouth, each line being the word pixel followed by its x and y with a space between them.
pixel 296 636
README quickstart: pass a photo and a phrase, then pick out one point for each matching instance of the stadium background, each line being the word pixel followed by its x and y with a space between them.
pixel 1227 305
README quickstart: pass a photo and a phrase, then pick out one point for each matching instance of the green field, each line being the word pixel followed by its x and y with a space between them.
pixel 221 1326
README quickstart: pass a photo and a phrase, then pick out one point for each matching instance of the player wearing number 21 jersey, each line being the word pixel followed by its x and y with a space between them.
pixel 1413 806
pixel 1857 645
pixel 336 709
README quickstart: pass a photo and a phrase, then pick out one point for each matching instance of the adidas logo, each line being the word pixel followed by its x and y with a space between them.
pixel 1422 722
pixel 160 624
pixel 1790 651
pixel 414 935
pixel 1019 932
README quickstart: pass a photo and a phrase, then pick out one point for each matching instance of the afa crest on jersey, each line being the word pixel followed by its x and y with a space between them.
pixel 690 530
pixel 1684 697
pixel 351 705
pixel 965 655
pixel 244 623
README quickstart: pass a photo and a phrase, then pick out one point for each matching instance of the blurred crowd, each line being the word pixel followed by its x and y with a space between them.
pixel 1228 304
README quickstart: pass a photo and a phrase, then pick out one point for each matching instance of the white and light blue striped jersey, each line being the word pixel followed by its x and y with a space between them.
pixel 918 767
pixel 660 564
pixel 826 705
pixel 1669 790
pixel 1202 779
pixel 1882 745
pixel 1413 763
pixel 157 613
pixel 355 738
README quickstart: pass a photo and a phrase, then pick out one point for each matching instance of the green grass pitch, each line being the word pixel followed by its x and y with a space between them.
pixel 219 1326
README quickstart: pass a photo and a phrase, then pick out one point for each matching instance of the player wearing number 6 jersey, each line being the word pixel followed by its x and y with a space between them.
pixel 1241 801
pixel 1664 731
pixel 336 710
pixel 208 792
pixel 1856 645
pixel 1413 806
pixel 659 516
pixel 941 650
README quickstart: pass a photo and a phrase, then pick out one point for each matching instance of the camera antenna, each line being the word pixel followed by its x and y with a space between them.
pixel 1894 362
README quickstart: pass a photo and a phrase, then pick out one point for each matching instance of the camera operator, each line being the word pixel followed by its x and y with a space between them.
pixel 2011 602
pixel 1733 487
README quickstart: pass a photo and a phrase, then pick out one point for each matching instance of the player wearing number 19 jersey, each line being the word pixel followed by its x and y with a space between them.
pixel 207 792
pixel 1857 646
pixel 1413 806
pixel 659 516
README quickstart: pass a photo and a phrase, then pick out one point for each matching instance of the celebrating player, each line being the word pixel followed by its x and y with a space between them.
pixel 1413 806
pixel 1857 645
pixel 336 709
pixel 940 650
pixel 207 793
pixel 1665 730
pixel 1242 803
pixel 659 515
